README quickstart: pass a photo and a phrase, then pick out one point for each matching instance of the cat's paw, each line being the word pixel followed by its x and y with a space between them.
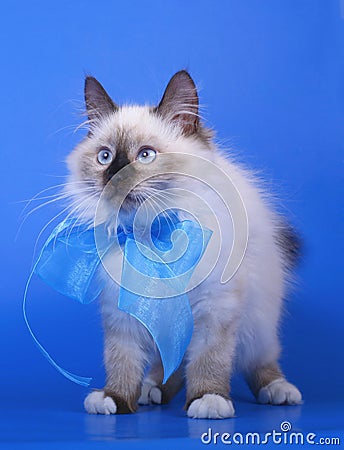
pixel 97 403
pixel 211 406
pixel 280 392
pixel 150 393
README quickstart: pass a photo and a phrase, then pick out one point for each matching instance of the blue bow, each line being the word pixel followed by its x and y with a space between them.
pixel 154 277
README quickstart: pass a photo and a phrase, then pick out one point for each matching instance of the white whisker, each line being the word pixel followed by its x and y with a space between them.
pixel 82 212
pixel 46 225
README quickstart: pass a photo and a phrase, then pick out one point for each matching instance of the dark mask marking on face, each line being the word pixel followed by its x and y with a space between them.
pixel 117 164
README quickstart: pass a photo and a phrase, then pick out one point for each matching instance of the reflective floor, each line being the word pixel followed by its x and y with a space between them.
pixel 62 424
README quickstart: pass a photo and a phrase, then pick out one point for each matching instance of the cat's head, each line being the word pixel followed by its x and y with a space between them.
pixel 121 135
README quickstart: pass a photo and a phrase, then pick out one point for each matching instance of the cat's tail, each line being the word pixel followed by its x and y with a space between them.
pixel 290 243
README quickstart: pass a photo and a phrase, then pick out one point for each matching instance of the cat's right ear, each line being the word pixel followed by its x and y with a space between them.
pixel 98 102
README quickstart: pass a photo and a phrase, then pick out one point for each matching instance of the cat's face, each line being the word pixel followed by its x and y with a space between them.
pixel 121 135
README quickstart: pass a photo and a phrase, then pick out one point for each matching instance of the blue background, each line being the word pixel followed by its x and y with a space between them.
pixel 271 78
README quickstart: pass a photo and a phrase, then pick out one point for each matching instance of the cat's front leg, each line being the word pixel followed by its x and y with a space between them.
pixel 209 368
pixel 125 358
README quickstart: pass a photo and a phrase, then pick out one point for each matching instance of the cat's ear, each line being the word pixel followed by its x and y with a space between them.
pixel 98 102
pixel 180 102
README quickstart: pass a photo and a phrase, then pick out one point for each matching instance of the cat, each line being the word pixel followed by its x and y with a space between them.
pixel 235 323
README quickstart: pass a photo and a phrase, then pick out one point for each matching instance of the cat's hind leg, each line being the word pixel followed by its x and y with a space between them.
pixel 258 355
pixel 270 386
pixel 153 391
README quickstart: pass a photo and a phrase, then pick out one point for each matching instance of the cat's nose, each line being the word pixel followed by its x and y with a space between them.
pixel 117 164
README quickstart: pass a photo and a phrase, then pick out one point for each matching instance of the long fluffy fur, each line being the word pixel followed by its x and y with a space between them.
pixel 236 324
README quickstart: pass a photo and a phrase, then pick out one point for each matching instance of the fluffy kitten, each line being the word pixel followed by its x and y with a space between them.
pixel 235 323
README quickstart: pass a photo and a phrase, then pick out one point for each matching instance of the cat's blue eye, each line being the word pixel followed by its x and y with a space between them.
pixel 146 155
pixel 105 156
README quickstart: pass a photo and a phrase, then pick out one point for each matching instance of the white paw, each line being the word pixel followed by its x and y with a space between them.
pixel 150 393
pixel 211 406
pixel 280 392
pixel 96 403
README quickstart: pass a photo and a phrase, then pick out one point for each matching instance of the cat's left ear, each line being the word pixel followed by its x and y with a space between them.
pixel 98 102
pixel 180 102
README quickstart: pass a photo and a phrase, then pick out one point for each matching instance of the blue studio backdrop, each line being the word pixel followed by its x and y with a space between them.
pixel 271 82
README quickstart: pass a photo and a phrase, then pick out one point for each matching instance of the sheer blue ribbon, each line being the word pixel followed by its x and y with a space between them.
pixel 153 281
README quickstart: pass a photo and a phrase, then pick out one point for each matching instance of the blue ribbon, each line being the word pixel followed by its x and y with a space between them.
pixel 154 278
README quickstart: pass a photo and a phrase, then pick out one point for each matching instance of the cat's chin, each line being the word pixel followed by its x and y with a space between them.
pixel 131 203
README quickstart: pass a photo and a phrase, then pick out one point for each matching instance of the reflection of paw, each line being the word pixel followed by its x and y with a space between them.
pixel 280 392
pixel 211 406
pixel 96 403
pixel 150 393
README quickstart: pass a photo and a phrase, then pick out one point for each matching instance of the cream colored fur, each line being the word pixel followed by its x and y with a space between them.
pixel 236 324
